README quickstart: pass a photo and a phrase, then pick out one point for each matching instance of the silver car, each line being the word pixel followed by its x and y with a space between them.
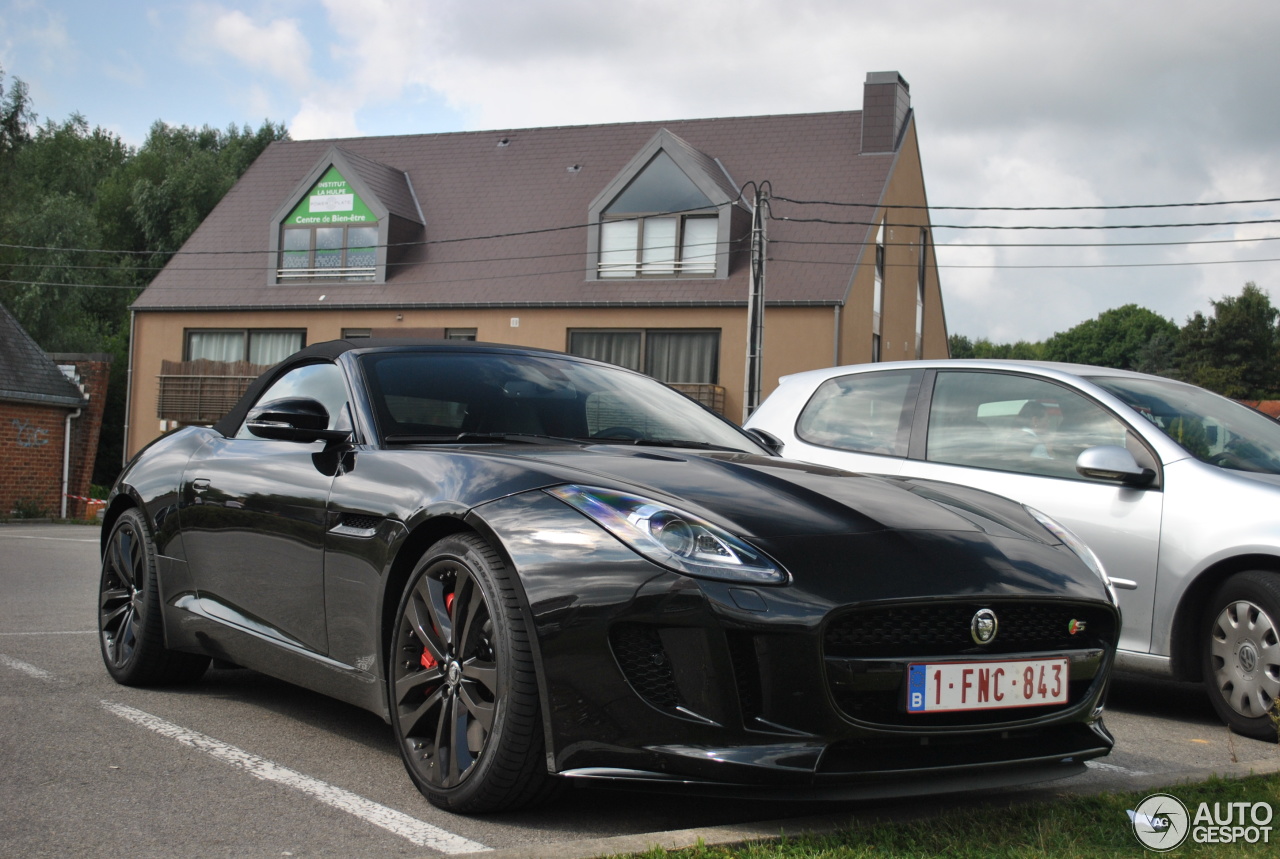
pixel 1176 489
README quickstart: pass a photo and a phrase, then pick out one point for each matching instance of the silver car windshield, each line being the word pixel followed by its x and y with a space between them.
pixel 1211 428
pixel 445 396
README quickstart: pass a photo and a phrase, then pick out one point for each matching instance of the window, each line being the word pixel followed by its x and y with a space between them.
pixel 330 235
pixel 1015 423
pixel 660 246
pixel 660 225
pixel 864 412
pixel 668 355
pixel 877 296
pixel 460 334
pixel 356 333
pixel 920 273
pixel 256 346
pixel 344 253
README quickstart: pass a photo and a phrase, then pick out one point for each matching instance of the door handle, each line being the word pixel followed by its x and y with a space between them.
pixel 200 484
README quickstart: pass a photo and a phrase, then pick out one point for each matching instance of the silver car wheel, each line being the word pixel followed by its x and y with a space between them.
pixel 1245 658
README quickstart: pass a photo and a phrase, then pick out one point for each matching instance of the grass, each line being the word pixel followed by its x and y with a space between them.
pixel 1084 826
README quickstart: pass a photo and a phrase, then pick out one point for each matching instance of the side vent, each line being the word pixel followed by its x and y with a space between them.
pixel 746 674
pixel 644 662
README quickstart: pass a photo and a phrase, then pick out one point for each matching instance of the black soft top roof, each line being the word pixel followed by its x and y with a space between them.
pixel 329 350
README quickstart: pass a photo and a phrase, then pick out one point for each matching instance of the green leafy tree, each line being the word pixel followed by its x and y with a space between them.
pixel 87 221
pixel 1116 338
pixel 1236 351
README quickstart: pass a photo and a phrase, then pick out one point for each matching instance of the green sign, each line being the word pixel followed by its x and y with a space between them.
pixel 331 201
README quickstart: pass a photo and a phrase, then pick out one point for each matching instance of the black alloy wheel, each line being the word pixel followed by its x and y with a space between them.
pixel 1242 653
pixel 463 694
pixel 130 627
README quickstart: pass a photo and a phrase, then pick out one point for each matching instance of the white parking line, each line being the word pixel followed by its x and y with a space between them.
pixel 26 668
pixel 54 539
pixel 1113 768
pixel 420 833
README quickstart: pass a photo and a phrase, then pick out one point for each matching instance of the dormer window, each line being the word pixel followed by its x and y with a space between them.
pixel 330 235
pixel 344 222
pixel 668 214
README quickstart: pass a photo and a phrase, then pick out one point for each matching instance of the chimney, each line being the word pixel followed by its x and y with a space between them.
pixel 886 102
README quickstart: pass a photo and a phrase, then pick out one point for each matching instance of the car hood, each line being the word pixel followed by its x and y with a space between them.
pixel 770 497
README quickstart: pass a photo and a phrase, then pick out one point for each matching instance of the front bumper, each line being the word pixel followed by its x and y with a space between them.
pixel 646 674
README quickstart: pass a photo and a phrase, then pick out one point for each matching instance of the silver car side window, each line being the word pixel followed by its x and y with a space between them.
pixel 864 412
pixel 1015 423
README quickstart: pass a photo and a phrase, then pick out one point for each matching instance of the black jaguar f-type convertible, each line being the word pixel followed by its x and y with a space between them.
pixel 539 567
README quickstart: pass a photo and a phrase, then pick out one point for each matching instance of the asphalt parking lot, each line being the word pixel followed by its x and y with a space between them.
pixel 242 764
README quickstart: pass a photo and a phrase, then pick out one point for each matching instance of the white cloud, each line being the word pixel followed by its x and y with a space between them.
pixel 276 47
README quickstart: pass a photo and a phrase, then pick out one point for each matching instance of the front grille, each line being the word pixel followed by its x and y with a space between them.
pixel 867 651
pixel 943 629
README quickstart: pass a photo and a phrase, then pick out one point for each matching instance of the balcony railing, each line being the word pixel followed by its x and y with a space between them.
pixel 201 392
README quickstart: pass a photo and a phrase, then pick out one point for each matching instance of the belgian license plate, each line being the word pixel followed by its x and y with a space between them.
pixel 937 687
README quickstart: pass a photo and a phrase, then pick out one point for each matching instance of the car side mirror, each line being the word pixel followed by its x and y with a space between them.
pixel 769 440
pixel 1114 463
pixel 293 419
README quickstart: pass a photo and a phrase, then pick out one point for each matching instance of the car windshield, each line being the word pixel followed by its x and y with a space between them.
pixel 447 396
pixel 1211 428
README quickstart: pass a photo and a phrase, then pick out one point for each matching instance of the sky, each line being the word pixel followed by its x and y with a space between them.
pixel 1017 104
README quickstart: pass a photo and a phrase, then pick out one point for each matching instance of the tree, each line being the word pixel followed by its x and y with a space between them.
pixel 1235 352
pixel 1116 338
pixel 963 347
pixel 87 222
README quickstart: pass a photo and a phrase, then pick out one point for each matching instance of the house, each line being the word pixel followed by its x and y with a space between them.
pixel 50 417
pixel 631 242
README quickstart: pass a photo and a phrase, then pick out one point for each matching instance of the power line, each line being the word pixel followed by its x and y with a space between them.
pixel 1030 226
pixel 1029 208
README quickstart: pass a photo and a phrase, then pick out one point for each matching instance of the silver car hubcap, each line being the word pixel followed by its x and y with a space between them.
pixel 1246 658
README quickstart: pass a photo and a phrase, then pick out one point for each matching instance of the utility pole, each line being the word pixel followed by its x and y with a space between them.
pixel 755 303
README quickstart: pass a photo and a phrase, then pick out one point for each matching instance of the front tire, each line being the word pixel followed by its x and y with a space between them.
pixel 463 694
pixel 1241 653
pixel 130 626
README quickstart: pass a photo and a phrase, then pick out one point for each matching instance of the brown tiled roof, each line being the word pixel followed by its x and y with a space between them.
pixel 506 225
pixel 391 185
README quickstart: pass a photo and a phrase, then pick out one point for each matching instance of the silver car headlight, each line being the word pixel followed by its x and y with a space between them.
pixel 1082 551
pixel 671 537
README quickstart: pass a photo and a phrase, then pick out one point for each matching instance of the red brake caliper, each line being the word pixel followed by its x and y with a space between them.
pixel 429 661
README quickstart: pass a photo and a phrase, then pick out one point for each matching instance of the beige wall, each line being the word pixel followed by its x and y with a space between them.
pixel 898 317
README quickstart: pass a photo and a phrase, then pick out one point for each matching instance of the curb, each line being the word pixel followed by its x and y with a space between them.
pixel 720 836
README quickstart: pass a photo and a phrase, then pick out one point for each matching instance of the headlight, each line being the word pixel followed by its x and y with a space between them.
pixel 671 537
pixel 1068 538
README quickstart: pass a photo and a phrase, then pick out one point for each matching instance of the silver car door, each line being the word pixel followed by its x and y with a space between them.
pixel 1019 436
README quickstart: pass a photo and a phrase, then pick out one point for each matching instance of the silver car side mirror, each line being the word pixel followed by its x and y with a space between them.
pixel 1112 462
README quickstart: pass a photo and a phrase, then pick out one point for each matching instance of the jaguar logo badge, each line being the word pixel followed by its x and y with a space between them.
pixel 1076 626
pixel 983 627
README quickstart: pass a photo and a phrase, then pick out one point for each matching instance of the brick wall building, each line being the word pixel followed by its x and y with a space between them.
pixel 42 472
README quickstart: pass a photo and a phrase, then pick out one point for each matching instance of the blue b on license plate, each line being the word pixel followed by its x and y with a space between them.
pixel 988 685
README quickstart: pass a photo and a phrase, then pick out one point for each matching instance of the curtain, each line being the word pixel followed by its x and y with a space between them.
pixel 215 345
pixel 699 250
pixel 688 357
pixel 616 347
pixel 659 255
pixel 618 248
pixel 272 347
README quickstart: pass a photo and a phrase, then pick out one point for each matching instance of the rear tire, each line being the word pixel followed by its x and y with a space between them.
pixel 461 684
pixel 1241 653
pixel 130 621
